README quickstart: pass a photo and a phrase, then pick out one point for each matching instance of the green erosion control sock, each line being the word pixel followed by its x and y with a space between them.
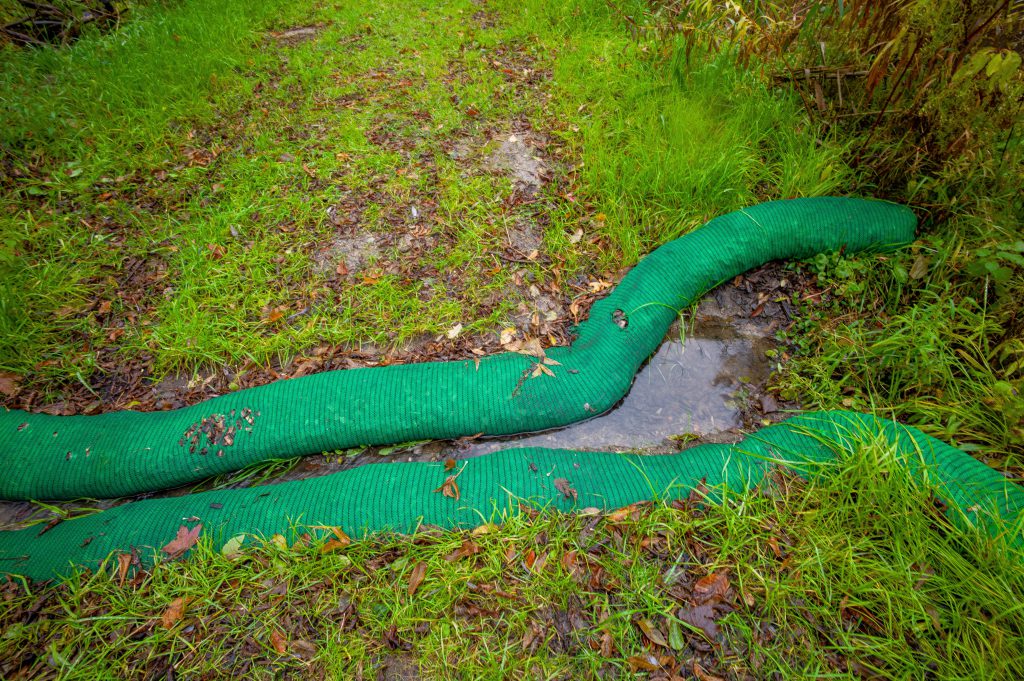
pixel 124 453
pixel 402 496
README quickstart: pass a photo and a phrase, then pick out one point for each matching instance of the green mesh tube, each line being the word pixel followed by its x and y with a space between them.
pixel 124 453
pixel 402 496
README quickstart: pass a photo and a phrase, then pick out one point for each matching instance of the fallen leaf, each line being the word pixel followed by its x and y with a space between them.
pixel 676 641
pixel 175 611
pixel 711 587
pixel 104 307
pixel 702 617
pixel 339 541
pixel 418 573
pixel 576 236
pixel 486 528
pixel 539 369
pixel 454 332
pixel 184 540
pixel 9 383
pixel 919 268
pixel 530 347
pixel 216 251
pixel 468 548
pixel 566 488
pixel 275 315
pixel 450 488
pixel 645 663
pixel 304 649
pixel 279 541
pixel 232 548
pixel 703 675
pixel 652 632
pixel 278 641
pixel 342 268
pixel 124 561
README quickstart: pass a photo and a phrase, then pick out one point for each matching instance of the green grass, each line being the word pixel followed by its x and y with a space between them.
pixel 939 348
pixel 164 198
pixel 172 211
pixel 849 575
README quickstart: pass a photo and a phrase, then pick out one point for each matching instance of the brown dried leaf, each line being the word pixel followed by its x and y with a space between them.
pixel 449 464
pixel 9 383
pixel 124 561
pixel 468 548
pixel 711 587
pixel 183 541
pixel 342 268
pixel 702 617
pixel 175 611
pixel 703 675
pixel 566 488
pixel 541 369
pixel 339 541
pixel 919 268
pixel 643 663
pixel 450 488
pixel 652 632
pixel 279 642
pixel 304 649
pixel 416 578
pixel 530 348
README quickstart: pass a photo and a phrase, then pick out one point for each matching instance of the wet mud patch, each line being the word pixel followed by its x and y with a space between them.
pixel 519 157
pixel 347 253
pixel 297 34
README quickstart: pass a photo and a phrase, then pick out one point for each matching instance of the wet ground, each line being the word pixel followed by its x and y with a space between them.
pixel 708 382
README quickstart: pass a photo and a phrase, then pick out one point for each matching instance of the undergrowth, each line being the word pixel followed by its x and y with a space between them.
pixel 924 99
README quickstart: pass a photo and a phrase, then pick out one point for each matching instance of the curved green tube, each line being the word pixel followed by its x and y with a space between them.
pixel 402 496
pixel 124 453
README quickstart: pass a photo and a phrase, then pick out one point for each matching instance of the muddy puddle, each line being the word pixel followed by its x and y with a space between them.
pixel 706 383
pixel 697 384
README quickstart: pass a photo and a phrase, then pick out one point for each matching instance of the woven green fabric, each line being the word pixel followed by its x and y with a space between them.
pixel 402 496
pixel 124 453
